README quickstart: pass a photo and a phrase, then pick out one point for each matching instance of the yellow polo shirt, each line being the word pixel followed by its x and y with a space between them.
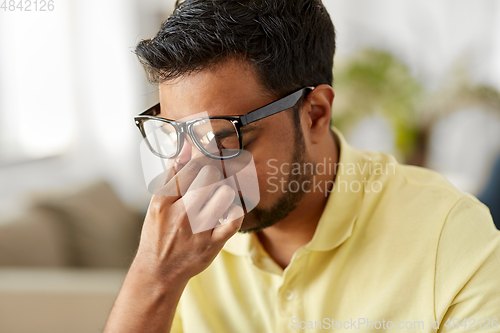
pixel 397 248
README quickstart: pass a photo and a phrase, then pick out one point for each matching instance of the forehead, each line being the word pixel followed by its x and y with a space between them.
pixel 229 89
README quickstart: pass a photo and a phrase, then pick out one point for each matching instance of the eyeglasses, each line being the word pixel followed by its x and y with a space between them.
pixel 217 137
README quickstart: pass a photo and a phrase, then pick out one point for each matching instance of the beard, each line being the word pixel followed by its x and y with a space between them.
pixel 289 200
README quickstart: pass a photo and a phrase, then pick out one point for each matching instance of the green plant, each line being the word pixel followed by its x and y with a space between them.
pixel 375 82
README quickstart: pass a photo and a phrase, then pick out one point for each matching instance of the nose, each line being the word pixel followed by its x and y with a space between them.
pixel 188 151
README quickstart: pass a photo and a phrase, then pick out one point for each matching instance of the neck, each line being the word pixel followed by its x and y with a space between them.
pixel 284 238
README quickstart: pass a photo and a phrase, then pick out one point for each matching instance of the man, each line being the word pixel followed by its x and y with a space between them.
pixel 376 246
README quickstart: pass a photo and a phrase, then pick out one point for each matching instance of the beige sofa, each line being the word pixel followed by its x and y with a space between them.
pixel 63 261
pixel 57 300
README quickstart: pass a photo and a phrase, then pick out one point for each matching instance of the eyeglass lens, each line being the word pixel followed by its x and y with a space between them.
pixel 216 137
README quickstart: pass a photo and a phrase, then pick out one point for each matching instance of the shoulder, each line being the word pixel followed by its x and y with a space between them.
pixel 469 244
pixel 406 195
pixel 426 198
pixel 420 217
pixel 425 211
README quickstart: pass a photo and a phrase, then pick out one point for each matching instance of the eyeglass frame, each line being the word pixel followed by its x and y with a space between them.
pixel 238 122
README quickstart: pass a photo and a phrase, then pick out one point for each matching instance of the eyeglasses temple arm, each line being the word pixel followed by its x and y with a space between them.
pixel 272 108
pixel 152 111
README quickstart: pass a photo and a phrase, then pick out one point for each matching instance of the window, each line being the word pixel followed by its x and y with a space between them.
pixel 37 117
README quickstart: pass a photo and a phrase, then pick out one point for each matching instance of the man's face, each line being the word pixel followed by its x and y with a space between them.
pixel 233 89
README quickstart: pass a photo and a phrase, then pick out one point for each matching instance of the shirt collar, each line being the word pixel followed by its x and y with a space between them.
pixel 340 213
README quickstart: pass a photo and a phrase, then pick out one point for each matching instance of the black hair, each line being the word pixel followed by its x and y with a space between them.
pixel 290 43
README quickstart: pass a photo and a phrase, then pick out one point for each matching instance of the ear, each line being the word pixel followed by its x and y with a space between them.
pixel 319 112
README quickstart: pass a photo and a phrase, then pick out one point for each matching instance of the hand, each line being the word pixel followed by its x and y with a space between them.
pixel 168 246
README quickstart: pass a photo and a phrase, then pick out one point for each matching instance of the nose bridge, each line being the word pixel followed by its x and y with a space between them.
pixel 188 148
pixel 182 128
pixel 184 135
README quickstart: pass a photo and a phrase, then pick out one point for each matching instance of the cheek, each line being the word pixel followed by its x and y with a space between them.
pixel 270 176
pixel 272 152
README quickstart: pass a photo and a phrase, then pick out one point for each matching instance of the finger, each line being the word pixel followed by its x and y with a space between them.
pixel 199 190
pixel 230 225
pixel 215 207
pixel 186 173
pixel 234 212
pixel 170 169
pixel 180 181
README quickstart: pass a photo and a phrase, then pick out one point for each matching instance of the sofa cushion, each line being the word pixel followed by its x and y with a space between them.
pixel 102 230
pixel 33 239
